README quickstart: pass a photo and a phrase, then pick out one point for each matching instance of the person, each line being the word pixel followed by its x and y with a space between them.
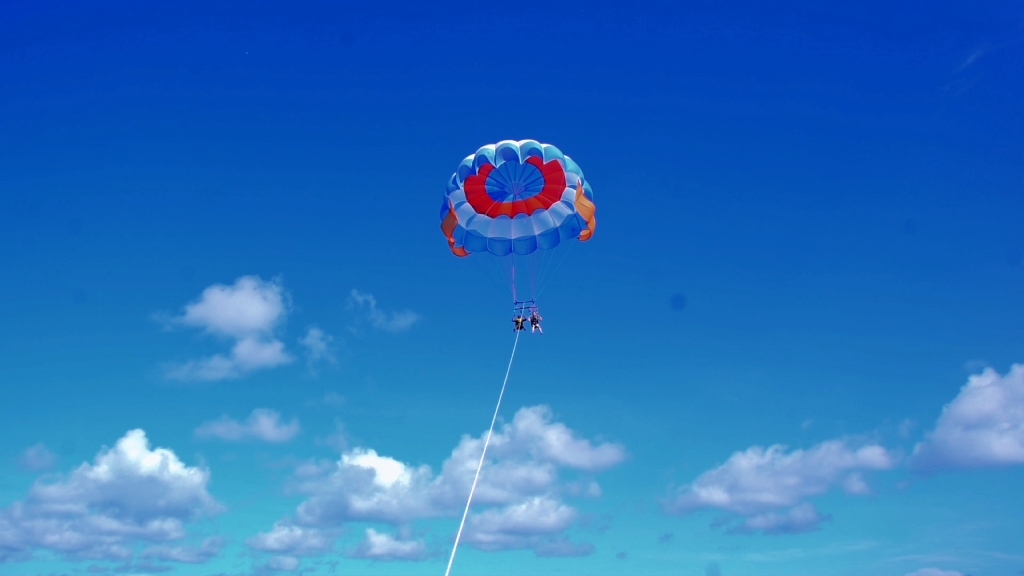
pixel 535 323
pixel 517 323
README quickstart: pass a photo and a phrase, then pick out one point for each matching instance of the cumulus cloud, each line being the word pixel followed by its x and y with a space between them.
pixel 535 523
pixel 520 482
pixel 262 424
pixel 524 457
pixel 129 493
pixel 540 514
pixel 247 355
pixel 381 546
pixel 37 459
pixel 250 307
pixel 758 483
pixel 982 426
pixel 286 538
pixel 380 319
pixel 247 312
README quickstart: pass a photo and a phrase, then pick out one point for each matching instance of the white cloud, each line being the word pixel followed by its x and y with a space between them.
pixel 99 510
pixel 523 461
pixel 37 459
pixel 293 540
pixel 521 475
pixel 801 518
pixel 380 319
pixel 247 355
pixel 934 572
pixel 533 432
pixel 262 424
pixel 758 483
pixel 540 514
pixel 283 563
pixel 528 524
pixel 247 312
pixel 386 471
pixel 855 484
pixel 381 546
pixel 250 354
pixel 982 426
pixel 318 347
pixel 251 307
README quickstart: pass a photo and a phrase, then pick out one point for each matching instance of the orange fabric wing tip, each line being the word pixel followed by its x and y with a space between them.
pixel 586 209
pixel 448 226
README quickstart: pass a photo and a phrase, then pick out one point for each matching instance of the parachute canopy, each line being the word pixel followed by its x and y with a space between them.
pixel 516 198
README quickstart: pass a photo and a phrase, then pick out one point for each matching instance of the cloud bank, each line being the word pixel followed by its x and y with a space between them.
pixel 519 495
pixel 130 493
pixel 768 487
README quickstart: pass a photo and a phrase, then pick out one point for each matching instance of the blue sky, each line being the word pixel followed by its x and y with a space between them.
pixel 235 341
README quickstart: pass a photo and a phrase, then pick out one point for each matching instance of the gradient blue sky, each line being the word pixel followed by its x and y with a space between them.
pixel 809 241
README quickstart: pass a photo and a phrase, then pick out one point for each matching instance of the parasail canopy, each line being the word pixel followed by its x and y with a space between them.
pixel 516 198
